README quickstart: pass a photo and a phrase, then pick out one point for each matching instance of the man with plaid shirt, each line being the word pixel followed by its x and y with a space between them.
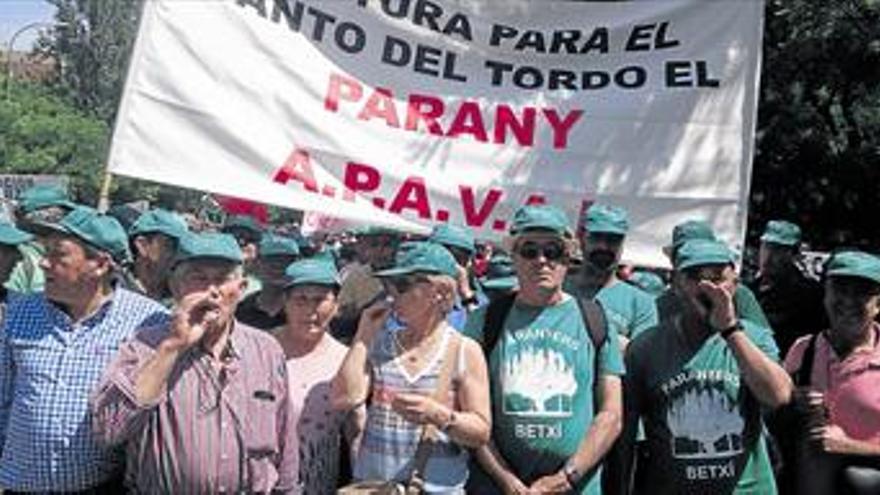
pixel 54 346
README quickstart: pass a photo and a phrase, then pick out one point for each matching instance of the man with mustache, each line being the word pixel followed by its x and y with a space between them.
pixel 629 309
pixel 201 403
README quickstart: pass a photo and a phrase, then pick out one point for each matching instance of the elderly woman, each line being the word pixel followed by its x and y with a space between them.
pixel 313 357
pixel 396 368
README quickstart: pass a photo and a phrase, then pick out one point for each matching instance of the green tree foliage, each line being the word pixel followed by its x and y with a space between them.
pixel 41 133
pixel 93 44
pixel 819 121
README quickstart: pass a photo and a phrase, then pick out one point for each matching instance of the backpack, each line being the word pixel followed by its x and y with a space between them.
pixel 591 311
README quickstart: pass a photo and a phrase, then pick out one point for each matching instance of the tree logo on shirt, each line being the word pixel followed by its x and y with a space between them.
pixel 537 382
pixel 705 423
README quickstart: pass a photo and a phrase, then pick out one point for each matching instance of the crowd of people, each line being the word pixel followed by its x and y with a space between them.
pixel 150 355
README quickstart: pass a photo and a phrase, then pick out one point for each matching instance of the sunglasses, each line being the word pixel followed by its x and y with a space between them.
pixel 553 251
pixel 403 284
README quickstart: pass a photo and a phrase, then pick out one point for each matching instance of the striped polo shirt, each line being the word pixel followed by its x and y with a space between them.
pixel 215 429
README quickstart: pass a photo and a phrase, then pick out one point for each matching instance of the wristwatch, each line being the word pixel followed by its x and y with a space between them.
pixel 571 472
pixel 727 332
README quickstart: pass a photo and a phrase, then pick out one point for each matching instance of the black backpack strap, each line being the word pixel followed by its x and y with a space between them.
pixel 804 373
pixel 496 313
pixel 594 320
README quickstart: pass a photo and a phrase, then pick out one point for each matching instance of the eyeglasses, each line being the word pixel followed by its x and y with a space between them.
pixel 403 284
pixel 553 251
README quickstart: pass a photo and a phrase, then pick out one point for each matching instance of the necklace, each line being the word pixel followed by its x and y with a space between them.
pixel 402 349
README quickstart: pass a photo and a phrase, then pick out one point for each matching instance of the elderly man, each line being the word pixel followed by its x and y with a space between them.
pixel 154 237
pixel 699 382
pixel 53 348
pixel 265 309
pixel 629 309
pixel 838 371
pixel 201 402
pixel 545 370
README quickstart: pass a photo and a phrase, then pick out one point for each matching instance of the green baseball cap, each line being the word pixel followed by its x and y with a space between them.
pixel 372 230
pixel 854 264
pixel 159 221
pixel 606 219
pixel 455 236
pixel 782 232
pixel 243 222
pixel 98 230
pixel 11 236
pixel 699 252
pixel 500 274
pixel 648 282
pixel 276 245
pixel 312 272
pixel 422 256
pixel 43 196
pixel 687 231
pixel 208 245
pixel 540 217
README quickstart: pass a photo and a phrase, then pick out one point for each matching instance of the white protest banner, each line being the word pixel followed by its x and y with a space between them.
pixel 412 112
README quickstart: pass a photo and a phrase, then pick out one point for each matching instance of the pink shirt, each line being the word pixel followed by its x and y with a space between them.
pixel 213 430
pixel 851 386
pixel 318 426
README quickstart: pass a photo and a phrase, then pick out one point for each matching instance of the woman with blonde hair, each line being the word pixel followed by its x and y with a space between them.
pixel 397 361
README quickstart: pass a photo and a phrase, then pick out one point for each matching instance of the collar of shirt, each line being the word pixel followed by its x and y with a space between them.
pixel 861 359
pixel 56 313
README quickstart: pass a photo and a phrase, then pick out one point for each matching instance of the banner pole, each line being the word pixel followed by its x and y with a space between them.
pixel 104 196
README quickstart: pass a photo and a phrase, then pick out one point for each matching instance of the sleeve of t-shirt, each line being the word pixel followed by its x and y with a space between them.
pixel 796 354
pixel 610 357
pixel 762 337
pixel 748 308
pixel 474 326
pixel 646 314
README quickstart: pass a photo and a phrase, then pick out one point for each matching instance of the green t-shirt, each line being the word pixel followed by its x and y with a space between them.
pixel 702 424
pixel 629 309
pixel 748 307
pixel 541 379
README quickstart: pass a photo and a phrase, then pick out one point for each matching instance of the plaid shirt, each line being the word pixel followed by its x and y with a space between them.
pixel 49 365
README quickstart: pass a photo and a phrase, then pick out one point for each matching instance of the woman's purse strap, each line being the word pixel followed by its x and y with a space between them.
pixel 429 431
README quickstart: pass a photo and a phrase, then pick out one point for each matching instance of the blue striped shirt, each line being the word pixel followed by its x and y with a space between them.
pixel 49 365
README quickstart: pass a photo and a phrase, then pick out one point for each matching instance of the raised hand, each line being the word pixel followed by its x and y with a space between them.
pixel 197 314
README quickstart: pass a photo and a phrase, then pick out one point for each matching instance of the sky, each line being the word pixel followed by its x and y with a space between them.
pixel 15 14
